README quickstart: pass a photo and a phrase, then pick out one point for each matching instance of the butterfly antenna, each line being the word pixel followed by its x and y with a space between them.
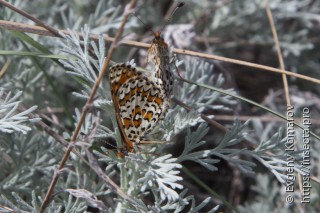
pixel 148 28
pixel 180 4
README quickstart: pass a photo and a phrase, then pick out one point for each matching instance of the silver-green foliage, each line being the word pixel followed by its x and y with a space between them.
pixel 11 120
pixel 28 161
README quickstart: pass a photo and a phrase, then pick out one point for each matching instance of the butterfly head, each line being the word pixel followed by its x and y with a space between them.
pixel 158 41
pixel 158 48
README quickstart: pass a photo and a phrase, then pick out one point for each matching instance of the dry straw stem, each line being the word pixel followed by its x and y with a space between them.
pixel 88 103
pixel 7 209
pixel 42 31
pixel 204 117
pixel 92 162
pixel 4 68
pixel 280 58
pixel 284 77
pixel 265 118
pixel 34 19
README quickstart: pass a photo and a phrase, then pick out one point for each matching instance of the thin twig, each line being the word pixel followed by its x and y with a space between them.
pixel 95 166
pixel 284 77
pixel 266 118
pixel 280 58
pixel 244 63
pixel 42 31
pixel 6 208
pixel 58 125
pixel 34 19
pixel 110 184
pixel 224 129
pixel 88 103
pixel 4 68
pixel 211 122
pixel 204 117
pixel 53 31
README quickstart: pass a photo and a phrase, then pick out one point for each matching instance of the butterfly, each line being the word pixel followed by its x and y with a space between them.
pixel 141 100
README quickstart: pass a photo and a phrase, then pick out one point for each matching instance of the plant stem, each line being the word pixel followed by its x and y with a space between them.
pixel 87 106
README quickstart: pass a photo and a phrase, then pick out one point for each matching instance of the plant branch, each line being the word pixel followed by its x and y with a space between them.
pixel 284 77
pixel 280 58
pixel 264 118
pixel 87 105
pixel 92 162
pixel 246 100
pixel 42 31
pixel 34 19
pixel 204 117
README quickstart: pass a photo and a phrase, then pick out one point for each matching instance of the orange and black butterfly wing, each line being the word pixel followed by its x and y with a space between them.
pixel 139 102
pixel 119 74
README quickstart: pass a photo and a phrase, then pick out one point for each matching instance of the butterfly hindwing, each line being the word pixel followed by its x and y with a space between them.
pixel 140 102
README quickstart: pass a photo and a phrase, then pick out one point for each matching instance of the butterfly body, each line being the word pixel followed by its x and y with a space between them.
pixel 159 54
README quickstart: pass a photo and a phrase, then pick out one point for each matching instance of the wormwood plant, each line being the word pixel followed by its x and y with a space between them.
pixel 160 177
